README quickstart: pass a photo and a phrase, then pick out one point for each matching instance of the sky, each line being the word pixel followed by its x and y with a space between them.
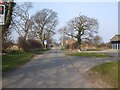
pixel 67 0
pixel 105 12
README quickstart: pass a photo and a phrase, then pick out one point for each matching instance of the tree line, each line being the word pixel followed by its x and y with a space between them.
pixel 42 26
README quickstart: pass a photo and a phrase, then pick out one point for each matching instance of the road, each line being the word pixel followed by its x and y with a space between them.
pixel 55 70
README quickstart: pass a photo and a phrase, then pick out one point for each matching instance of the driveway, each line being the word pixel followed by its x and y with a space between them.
pixel 55 70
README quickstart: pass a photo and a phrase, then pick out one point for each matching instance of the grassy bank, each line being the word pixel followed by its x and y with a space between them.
pixel 108 72
pixel 85 54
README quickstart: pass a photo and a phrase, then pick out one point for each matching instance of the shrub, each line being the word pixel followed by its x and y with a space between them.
pixel 67 46
pixel 7 45
pixel 30 44
pixel 34 44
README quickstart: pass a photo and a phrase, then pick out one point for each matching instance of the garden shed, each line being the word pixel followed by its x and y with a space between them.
pixel 115 41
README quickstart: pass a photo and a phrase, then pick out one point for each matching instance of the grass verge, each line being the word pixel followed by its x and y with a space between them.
pixel 84 54
pixel 15 59
pixel 108 72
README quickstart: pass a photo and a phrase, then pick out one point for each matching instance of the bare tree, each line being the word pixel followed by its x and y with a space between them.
pixel 97 40
pixel 82 27
pixel 5 32
pixel 8 16
pixel 22 23
pixel 64 35
pixel 44 23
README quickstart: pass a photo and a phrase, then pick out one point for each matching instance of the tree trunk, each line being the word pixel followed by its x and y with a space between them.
pixel 8 19
pixel 79 39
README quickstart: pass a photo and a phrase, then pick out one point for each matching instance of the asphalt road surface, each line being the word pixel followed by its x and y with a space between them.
pixel 55 70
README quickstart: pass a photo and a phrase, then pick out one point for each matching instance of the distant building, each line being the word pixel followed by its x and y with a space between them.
pixel 72 44
pixel 69 44
pixel 115 41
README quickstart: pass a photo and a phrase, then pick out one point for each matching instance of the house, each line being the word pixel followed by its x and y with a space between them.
pixel 69 44
pixel 72 44
pixel 84 46
pixel 115 41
